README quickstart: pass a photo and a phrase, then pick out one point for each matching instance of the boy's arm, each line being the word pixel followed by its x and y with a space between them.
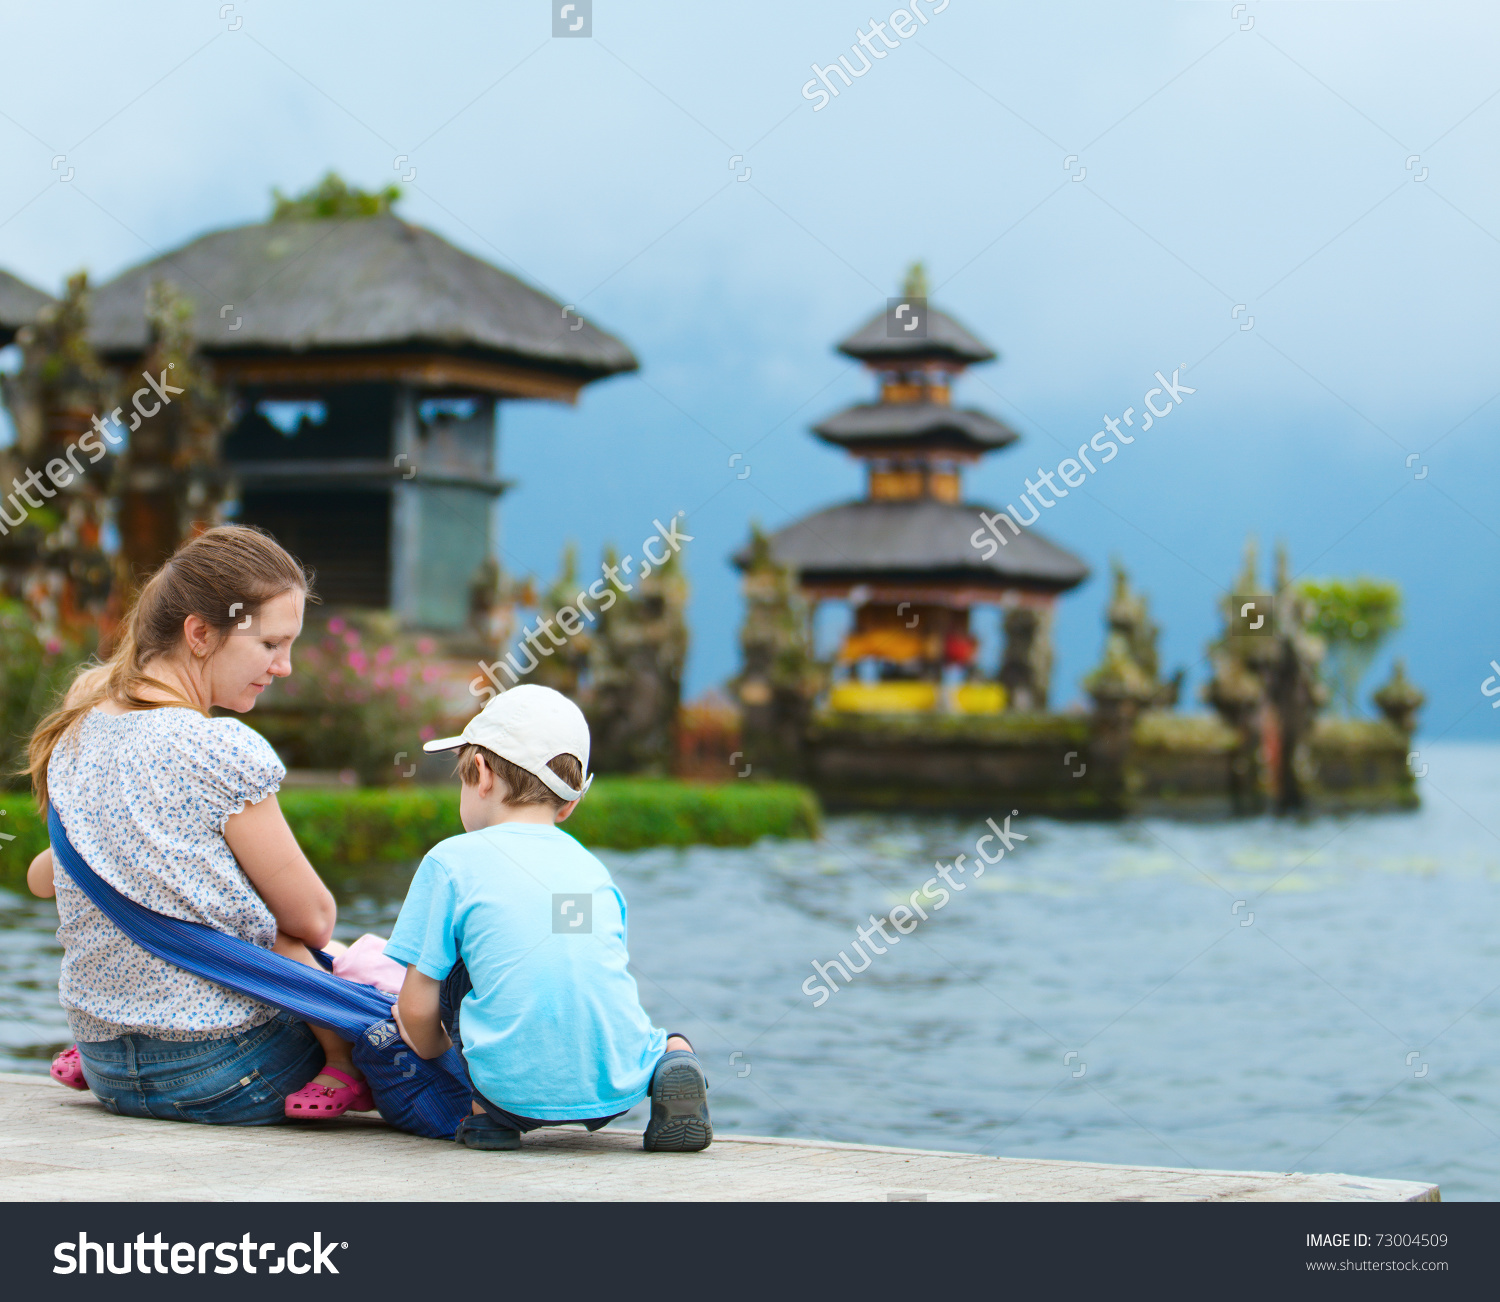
pixel 416 1014
pixel 39 876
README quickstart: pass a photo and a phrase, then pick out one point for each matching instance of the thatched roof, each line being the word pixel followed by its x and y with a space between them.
pixel 365 283
pixel 945 340
pixel 932 425
pixel 921 541
pixel 19 304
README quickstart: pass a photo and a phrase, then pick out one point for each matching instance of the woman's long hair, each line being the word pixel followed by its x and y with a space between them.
pixel 222 576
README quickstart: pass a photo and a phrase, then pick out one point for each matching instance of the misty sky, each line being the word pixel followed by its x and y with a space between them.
pixel 1258 155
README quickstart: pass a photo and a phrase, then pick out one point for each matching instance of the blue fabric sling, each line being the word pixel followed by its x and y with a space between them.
pixel 425 1097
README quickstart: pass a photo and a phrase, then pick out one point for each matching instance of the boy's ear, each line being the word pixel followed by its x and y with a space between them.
pixel 487 779
pixel 561 816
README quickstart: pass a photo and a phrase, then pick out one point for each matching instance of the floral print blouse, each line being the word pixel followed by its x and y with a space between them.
pixel 144 797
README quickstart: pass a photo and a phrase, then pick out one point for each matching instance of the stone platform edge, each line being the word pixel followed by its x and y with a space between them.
pixel 59 1145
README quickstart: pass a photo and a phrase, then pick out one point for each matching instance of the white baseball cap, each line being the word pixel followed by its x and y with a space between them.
pixel 529 725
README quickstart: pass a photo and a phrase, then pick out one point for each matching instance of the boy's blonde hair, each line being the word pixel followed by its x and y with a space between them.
pixel 521 787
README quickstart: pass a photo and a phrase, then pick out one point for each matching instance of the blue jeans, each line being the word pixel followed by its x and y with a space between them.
pixel 242 1080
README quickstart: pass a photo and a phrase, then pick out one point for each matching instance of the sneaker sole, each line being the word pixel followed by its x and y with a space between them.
pixel 679 1111
pixel 507 1143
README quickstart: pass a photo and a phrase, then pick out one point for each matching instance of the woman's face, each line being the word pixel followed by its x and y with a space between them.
pixel 247 661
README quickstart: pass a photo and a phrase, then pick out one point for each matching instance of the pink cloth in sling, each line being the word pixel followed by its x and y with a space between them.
pixel 365 962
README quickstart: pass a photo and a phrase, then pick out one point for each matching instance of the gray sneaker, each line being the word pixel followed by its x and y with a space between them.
pixel 679 1106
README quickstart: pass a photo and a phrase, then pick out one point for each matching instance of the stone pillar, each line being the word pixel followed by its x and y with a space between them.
pixel 406 510
pixel 1237 695
pixel 1111 731
pixel 1026 662
pixel 1120 690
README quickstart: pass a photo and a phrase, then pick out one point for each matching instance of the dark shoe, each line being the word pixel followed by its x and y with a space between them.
pixel 484 1132
pixel 679 1106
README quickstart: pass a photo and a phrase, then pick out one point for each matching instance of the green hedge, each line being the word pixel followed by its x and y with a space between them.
pixel 384 825
pixel 18 818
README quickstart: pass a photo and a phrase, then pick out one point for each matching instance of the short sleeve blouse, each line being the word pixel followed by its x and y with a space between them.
pixel 144 797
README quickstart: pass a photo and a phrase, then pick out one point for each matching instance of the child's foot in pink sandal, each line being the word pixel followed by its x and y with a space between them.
pixel 324 1102
pixel 67 1068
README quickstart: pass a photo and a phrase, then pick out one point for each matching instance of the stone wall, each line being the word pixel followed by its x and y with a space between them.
pixel 959 764
pixel 1175 765
pixel 1361 764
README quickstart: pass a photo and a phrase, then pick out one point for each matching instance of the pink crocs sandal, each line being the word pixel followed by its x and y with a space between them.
pixel 67 1069
pixel 324 1102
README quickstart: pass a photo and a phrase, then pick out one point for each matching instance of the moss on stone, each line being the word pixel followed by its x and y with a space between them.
pixel 1184 732
pixel 1332 732
pixel 1016 728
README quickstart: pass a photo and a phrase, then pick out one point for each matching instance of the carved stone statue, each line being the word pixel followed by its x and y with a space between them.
pixel 567 669
pixel 1129 616
pixel 1267 685
pixel 1026 665
pixel 167 488
pixel 780 676
pixel 1294 687
pixel 1400 699
pixel 51 557
pixel 1120 687
pixel 634 673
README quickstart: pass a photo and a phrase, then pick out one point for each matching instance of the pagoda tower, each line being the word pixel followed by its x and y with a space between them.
pixel 904 556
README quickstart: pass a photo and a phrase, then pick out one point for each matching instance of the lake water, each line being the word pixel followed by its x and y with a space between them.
pixel 1273 995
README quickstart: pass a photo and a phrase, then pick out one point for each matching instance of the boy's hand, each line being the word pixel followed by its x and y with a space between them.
pixel 436 1048
pixel 422 1027
pixel 400 1026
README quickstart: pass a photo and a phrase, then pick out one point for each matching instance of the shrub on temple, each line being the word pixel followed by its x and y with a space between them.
pixel 1353 617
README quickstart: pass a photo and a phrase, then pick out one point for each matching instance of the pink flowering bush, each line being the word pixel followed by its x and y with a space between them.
pixel 33 676
pixel 355 699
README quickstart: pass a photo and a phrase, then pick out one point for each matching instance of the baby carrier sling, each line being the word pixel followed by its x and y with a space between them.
pixel 427 1097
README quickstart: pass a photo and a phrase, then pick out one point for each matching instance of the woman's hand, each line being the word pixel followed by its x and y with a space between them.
pixel 273 861
pixel 39 876
pixel 417 1015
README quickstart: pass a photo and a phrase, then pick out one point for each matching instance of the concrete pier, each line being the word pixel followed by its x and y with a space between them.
pixel 58 1144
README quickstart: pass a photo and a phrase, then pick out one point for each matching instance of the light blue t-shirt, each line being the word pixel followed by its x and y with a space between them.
pixel 553 1028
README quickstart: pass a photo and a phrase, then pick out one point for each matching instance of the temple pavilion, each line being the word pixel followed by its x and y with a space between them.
pixel 904 555
pixel 367 358
pixel 19 304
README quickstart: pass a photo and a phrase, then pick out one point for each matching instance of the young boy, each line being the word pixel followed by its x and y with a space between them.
pixel 514 937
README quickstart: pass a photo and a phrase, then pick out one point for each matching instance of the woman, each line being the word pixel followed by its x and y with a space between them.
pixel 177 810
